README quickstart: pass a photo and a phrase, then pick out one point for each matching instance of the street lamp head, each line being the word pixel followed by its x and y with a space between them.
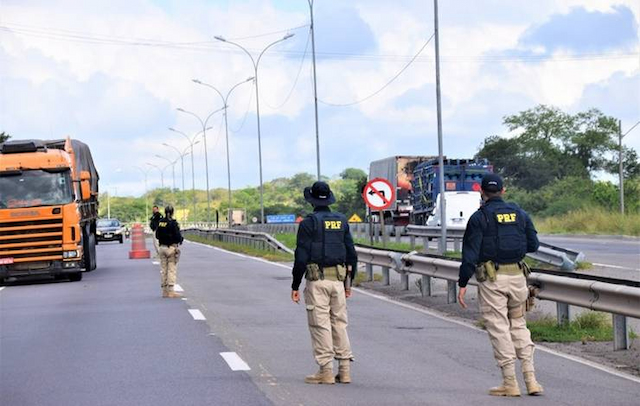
pixel 196 81
pixel 250 79
pixel 209 128
pixel 180 109
pixel 288 36
pixel 172 129
pixel 220 38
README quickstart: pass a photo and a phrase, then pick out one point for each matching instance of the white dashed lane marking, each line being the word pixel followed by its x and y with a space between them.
pixel 235 362
pixel 2 287
pixel 196 314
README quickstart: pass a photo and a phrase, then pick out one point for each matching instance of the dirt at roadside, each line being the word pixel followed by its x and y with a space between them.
pixel 599 352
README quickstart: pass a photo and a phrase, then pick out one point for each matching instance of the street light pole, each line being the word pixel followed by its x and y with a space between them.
pixel 161 173
pixel 192 142
pixel 443 205
pixel 206 159
pixel 146 197
pixel 173 168
pixel 256 63
pixel 315 85
pixel 225 100
pixel 181 155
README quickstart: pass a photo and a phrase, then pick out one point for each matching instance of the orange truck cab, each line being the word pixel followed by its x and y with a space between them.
pixel 48 209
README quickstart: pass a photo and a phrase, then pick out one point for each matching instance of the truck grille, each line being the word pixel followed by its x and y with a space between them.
pixel 31 240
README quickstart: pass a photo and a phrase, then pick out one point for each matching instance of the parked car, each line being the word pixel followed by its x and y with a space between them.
pixel 110 230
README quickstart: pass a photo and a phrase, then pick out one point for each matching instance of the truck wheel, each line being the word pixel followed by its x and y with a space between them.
pixel 121 240
pixel 75 276
pixel 90 262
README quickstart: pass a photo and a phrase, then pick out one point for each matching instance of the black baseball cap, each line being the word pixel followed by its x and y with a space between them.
pixel 491 183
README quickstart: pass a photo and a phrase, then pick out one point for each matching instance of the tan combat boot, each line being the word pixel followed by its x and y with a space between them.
pixel 165 292
pixel 323 376
pixel 509 383
pixel 344 371
pixel 172 294
pixel 533 387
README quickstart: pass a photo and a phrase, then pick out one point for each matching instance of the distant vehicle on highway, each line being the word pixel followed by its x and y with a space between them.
pixel 460 207
pixel 110 230
pixel 417 183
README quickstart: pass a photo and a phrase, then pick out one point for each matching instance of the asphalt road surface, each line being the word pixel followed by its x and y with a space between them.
pixel 623 253
pixel 111 340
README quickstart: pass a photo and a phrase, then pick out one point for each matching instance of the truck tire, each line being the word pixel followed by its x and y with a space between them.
pixel 121 240
pixel 75 276
pixel 90 262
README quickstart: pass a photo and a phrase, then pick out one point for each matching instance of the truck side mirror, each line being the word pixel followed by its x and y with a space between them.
pixel 85 185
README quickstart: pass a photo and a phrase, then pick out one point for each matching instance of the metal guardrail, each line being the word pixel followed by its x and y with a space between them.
pixel 258 240
pixel 618 299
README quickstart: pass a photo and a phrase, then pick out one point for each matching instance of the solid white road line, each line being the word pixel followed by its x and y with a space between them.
pixel 197 314
pixel 444 317
pixel 235 362
pixel 615 266
pixel 177 288
pixel 2 287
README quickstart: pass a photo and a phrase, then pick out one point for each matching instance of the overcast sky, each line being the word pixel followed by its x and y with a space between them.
pixel 112 73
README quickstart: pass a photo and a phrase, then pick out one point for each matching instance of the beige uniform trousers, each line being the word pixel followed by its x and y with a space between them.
pixel 169 257
pixel 502 305
pixel 327 316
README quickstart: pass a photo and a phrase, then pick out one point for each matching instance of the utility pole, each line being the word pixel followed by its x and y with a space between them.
pixel 443 205
pixel 315 85
pixel 620 161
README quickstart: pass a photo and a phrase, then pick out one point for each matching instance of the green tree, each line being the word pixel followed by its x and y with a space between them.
pixel 4 136
pixel 550 145
pixel 353 174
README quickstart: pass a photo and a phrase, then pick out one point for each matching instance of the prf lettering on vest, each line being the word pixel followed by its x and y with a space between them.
pixel 506 218
pixel 333 225
pixel 162 224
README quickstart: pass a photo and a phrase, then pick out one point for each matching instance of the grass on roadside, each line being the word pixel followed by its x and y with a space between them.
pixel 588 326
pixel 243 249
pixel 590 221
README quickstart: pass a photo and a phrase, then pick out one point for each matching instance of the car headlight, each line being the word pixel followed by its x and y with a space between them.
pixel 98 232
pixel 118 231
pixel 69 254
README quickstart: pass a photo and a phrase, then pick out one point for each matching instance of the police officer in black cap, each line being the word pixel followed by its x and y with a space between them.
pixel 497 238
pixel 325 255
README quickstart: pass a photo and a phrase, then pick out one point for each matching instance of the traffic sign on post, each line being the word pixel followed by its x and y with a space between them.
pixel 379 194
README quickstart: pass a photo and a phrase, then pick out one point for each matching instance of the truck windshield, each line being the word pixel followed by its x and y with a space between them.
pixel 35 188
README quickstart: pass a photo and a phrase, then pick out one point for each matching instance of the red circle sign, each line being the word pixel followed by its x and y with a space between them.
pixel 379 194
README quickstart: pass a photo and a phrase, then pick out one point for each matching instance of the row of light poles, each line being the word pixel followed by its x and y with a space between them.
pixel 192 141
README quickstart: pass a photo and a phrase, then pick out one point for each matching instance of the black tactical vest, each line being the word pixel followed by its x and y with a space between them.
pixel 327 247
pixel 504 239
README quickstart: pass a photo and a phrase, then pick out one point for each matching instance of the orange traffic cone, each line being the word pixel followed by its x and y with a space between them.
pixel 138 244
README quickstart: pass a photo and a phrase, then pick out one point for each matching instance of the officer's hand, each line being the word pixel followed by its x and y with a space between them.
pixel 461 294
pixel 347 293
pixel 295 296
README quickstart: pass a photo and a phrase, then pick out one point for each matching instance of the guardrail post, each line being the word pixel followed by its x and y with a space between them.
pixel 404 278
pixel 385 235
pixel 425 286
pixel 385 276
pixel 564 316
pixel 457 245
pixel 369 269
pixel 620 333
pixel 425 245
pixel 398 231
pixel 376 233
pixel 412 242
pixel 452 292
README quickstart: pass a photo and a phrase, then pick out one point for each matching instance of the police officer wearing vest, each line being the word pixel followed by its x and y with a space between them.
pixel 326 257
pixel 169 239
pixel 496 240
pixel 153 225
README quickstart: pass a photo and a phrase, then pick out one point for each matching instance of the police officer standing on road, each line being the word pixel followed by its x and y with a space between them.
pixel 496 240
pixel 326 256
pixel 169 239
pixel 153 225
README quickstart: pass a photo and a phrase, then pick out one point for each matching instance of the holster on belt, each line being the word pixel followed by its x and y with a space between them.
pixel 313 273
